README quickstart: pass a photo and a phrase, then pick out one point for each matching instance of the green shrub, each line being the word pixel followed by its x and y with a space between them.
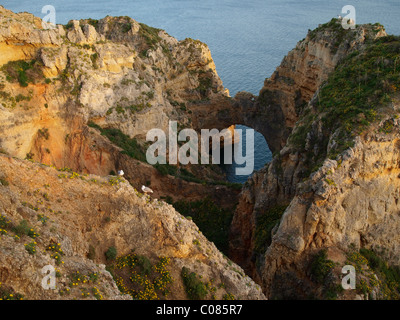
pixel 150 36
pixel 69 25
pixel 321 266
pixel 94 58
pixel 93 22
pixel 4 222
pixel 42 218
pixel 130 146
pixel 299 135
pixel 195 288
pixel 166 169
pixel 56 250
pixel 126 27
pixel 21 71
pixel 137 276
pixel 30 155
pixel 31 247
pixel 369 264
pixel 4 182
pixel 111 253
pixel 145 264
pixel 44 133
pixel 228 296
pixel 9 294
pixel 22 228
pixel 205 83
pixel 330 182
pixel 390 274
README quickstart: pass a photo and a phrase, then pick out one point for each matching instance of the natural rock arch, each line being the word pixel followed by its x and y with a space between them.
pixel 245 109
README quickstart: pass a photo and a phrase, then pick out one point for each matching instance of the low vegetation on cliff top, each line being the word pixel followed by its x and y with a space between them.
pixel 353 97
pixel 361 85
pixel 374 275
pixel 337 34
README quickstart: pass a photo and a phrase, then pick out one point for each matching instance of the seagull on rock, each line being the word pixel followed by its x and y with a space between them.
pixel 120 173
pixel 146 189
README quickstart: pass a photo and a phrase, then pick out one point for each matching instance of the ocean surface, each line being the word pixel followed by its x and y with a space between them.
pixel 247 39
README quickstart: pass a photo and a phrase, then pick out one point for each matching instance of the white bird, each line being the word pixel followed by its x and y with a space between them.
pixel 146 189
pixel 120 173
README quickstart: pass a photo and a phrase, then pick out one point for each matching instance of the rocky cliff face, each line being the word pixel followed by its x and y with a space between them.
pixel 301 73
pixel 286 93
pixel 124 78
pixel 70 221
pixel 115 73
pixel 277 109
pixel 84 95
pixel 350 202
pixel 334 183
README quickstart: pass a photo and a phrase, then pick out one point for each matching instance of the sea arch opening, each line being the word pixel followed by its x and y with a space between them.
pixel 261 153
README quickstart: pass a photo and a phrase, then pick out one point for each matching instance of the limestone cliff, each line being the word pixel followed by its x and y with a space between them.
pixel 276 111
pixel 302 72
pixel 116 73
pixel 277 108
pixel 81 98
pixel 68 220
pixel 333 186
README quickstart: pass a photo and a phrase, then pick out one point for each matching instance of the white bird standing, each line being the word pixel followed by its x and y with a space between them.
pixel 120 173
pixel 146 189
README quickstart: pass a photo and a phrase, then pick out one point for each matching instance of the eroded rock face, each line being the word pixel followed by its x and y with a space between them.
pixel 300 74
pixel 122 74
pixel 350 203
pixel 88 211
pixel 287 92
pixel 115 72
pixel 119 74
pixel 291 90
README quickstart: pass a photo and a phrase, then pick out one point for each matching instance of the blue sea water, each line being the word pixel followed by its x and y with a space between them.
pixel 247 39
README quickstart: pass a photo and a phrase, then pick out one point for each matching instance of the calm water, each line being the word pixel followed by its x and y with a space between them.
pixel 248 39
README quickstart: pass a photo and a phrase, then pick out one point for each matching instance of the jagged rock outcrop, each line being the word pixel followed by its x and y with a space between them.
pixel 114 72
pixel 332 186
pixel 76 95
pixel 301 73
pixel 118 75
pixel 285 94
pixel 83 216
pixel 281 101
pixel 350 202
